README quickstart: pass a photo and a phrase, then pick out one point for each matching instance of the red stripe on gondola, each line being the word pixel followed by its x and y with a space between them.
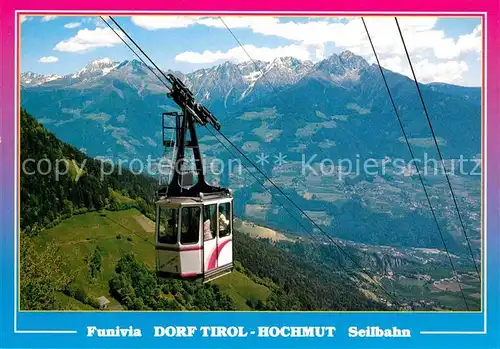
pixel 190 248
pixel 215 254
pixel 188 275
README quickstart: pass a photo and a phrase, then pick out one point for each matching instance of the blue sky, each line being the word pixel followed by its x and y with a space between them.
pixel 442 49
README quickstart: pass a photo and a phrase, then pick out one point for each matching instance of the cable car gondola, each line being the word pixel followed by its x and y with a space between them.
pixel 194 223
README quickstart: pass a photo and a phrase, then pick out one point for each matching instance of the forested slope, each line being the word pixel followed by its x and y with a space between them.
pixel 46 197
pixel 304 283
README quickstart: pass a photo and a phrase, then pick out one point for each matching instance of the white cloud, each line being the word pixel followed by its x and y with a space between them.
pixel 48 59
pixel 48 18
pixel 86 40
pixel 163 22
pixel 236 54
pixel 349 35
pixel 321 30
pixel 450 71
pixel 314 32
pixel 392 63
pixel 436 58
pixel 418 34
pixel 471 42
pixel 72 25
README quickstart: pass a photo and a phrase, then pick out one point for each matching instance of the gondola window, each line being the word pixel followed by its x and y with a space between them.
pixel 224 219
pixel 190 225
pixel 168 228
pixel 209 222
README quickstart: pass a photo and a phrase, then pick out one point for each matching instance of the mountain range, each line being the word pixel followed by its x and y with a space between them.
pixel 121 103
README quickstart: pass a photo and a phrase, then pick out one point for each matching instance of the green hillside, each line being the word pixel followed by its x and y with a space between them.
pixel 242 290
pixel 117 234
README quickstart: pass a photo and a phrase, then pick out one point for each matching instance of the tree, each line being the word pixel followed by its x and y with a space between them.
pixel 137 287
pixel 45 200
pixel 95 262
pixel 67 207
pixel 41 276
pixel 142 205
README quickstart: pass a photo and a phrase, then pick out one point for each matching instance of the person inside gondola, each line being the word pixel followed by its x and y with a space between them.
pixel 208 232
pixel 223 221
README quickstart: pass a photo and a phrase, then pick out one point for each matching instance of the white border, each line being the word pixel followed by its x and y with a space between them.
pixel 484 156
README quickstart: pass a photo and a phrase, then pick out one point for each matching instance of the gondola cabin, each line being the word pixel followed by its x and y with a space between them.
pixel 194 236
pixel 194 221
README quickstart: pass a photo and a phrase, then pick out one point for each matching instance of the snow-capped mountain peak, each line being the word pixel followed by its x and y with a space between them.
pixel 288 61
pixel 33 79
pixel 228 81
pixel 97 67
pixel 102 61
pixel 343 68
pixel 352 61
